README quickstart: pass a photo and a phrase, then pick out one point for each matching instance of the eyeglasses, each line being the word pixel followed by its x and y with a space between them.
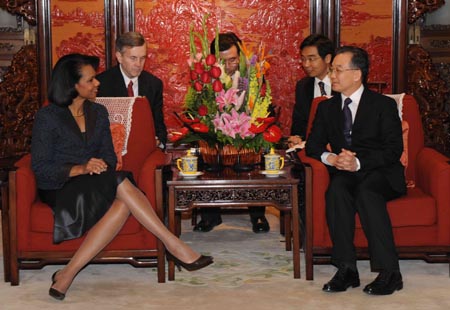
pixel 309 59
pixel 341 70
pixel 231 61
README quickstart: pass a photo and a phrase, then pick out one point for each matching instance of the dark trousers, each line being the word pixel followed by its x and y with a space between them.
pixel 366 194
pixel 213 214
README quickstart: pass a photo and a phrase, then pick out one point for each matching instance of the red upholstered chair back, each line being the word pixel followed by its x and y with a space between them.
pixel 312 112
pixel 143 144
pixel 411 114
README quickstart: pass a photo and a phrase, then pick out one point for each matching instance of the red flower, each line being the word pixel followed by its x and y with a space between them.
pixel 200 127
pixel 217 86
pixel 202 110
pixel 205 77
pixel 272 134
pixel 210 59
pixel 194 75
pixel 188 119
pixel 266 120
pixel 256 129
pixel 177 135
pixel 198 67
pixel 215 72
pixel 198 86
pixel 264 123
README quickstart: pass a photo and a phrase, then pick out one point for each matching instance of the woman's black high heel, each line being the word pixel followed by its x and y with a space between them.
pixel 54 292
pixel 200 263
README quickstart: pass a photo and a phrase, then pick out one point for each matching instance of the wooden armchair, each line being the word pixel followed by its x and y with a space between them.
pixel 420 220
pixel 29 242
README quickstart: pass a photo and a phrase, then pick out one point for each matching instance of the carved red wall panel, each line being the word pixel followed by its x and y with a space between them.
pixel 368 24
pixel 78 27
pixel 281 25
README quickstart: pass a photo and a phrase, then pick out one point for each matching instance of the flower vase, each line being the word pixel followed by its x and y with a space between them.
pixel 211 157
pixel 246 160
pixel 216 158
pixel 229 155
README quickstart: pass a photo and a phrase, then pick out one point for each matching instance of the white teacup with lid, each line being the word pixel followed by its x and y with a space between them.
pixel 273 162
pixel 188 163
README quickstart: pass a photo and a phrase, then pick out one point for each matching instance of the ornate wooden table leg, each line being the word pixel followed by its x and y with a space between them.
pixel 308 225
pixel 295 232
pixel 172 228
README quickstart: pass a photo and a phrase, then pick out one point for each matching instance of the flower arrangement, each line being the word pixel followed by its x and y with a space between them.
pixel 221 110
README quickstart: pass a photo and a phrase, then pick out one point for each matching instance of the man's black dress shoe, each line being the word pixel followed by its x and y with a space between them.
pixel 386 283
pixel 205 225
pixel 260 224
pixel 343 279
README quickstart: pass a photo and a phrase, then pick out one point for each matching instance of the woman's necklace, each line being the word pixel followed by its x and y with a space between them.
pixel 79 108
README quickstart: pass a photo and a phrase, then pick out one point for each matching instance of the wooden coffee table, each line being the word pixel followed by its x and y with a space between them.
pixel 229 189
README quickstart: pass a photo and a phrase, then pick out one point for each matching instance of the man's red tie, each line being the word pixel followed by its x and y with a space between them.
pixel 130 89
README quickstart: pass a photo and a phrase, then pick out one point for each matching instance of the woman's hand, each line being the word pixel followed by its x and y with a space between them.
pixel 95 166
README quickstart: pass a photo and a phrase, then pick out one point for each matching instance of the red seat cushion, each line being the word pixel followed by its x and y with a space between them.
pixel 415 209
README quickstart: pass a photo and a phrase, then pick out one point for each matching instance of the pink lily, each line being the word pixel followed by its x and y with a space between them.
pixel 227 98
pixel 233 124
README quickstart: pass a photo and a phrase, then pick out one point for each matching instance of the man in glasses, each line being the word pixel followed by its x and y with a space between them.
pixel 229 53
pixel 364 131
pixel 316 54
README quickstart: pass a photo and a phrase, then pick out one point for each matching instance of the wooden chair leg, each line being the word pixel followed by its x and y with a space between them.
pixel 282 219
pixel 12 237
pixel 161 262
pixel 194 216
pixel 288 231
pixel 5 234
pixel 177 224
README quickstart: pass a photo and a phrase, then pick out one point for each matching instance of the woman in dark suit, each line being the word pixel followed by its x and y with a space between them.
pixel 74 160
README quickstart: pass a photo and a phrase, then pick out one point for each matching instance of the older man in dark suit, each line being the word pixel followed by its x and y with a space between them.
pixel 364 131
pixel 128 79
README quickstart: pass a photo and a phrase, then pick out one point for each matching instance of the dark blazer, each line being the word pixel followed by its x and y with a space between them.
pixel 57 143
pixel 376 135
pixel 112 84
pixel 304 96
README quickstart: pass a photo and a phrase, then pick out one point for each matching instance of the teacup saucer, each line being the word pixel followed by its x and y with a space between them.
pixel 272 174
pixel 190 175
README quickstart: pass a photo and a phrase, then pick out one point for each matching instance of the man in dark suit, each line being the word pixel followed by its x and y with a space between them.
pixel 128 78
pixel 316 54
pixel 364 131
pixel 229 52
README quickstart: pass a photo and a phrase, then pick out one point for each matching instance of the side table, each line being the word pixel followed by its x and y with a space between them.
pixel 229 189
